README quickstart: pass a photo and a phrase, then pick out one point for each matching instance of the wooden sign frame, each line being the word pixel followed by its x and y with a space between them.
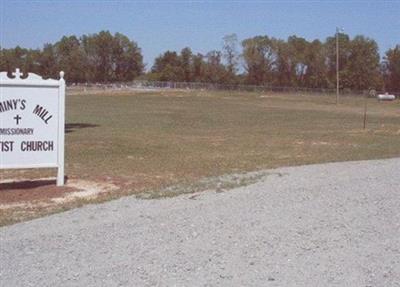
pixel 42 92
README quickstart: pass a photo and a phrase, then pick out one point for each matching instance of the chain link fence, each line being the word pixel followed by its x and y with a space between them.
pixel 159 85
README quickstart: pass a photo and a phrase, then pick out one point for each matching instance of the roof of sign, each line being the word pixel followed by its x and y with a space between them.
pixel 31 80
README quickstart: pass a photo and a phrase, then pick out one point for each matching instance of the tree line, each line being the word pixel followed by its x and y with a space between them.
pixel 101 57
pixel 260 60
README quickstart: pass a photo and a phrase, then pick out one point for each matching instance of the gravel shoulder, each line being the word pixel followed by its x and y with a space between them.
pixel 334 224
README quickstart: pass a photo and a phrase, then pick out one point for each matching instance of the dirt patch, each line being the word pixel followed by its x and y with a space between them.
pixel 85 189
pixel 44 192
pixel 12 192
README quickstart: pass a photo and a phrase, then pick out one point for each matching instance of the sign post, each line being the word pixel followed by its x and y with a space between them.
pixel 32 122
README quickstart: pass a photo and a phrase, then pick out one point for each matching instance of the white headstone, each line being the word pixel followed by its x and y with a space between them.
pixel 32 118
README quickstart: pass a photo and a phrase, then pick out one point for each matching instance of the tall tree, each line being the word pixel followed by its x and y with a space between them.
pixel 258 55
pixel 362 71
pixel 298 48
pixel 198 68
pixel 215 71
pixel 99 49
pixel 284 74
pixel 71 59
pixel 47 60
pixel 127 58
pixel 186 62
pixel 392 69
pixel 167 67
pixel 111 57
pixel 230 53
pixel 315 60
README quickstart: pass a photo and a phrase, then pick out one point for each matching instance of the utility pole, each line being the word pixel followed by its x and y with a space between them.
pixel 337 65
pixel 338 30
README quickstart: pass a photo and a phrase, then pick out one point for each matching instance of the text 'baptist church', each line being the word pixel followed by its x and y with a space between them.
pixel 8 146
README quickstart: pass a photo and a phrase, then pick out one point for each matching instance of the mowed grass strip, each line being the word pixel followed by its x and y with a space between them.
pixel 145 141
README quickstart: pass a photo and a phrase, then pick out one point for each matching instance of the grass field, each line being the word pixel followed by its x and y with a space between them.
pixel 143 142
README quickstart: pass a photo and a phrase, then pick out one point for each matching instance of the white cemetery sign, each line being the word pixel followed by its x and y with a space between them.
pixel 32 117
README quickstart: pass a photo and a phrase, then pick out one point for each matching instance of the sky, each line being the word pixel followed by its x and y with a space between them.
pixel 158 26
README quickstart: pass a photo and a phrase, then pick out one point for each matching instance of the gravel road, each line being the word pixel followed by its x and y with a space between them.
pixel 334 224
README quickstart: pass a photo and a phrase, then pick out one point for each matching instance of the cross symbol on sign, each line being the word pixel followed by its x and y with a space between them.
pixel 17 74
pixel 17 118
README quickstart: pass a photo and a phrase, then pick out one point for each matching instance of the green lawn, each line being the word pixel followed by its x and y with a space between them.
pixel 188 135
